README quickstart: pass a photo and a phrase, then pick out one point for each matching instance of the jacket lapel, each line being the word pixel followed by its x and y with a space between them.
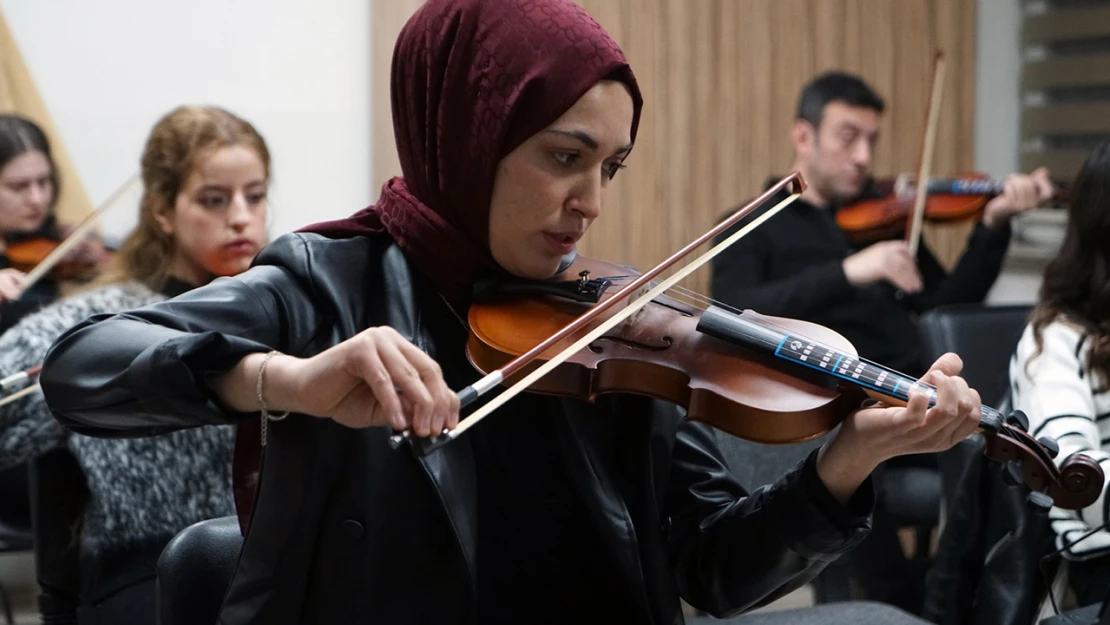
pixel 451 468
pixel 579 434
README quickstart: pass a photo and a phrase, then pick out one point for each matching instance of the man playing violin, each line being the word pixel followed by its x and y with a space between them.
pixel 511 118
pixel 801 265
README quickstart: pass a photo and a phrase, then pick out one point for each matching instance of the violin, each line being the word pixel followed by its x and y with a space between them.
pixel 765 379
pixel 64 259
pixel 884 211
pixel 80 264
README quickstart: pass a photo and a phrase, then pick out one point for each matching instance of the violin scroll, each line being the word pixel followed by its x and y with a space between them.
pixel 1076 484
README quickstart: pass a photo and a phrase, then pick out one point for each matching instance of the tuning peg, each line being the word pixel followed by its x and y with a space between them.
pixel 1012 474
pixel 1018 419
pixel 1039 503
pixel 1050 446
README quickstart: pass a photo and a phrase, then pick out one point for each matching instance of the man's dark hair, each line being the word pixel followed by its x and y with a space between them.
pixel 835 87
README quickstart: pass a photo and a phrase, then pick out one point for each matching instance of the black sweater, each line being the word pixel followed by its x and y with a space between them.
pixel 792 266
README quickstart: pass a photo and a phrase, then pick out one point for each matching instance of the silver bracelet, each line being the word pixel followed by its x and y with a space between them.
pixel 261 402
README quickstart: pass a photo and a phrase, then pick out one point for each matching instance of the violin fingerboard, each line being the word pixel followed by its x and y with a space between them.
pixel 855 371
pixel 752 330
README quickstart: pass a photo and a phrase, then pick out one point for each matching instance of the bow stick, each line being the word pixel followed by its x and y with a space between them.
pixel 493 379
pixel 75 237
pixel 924 166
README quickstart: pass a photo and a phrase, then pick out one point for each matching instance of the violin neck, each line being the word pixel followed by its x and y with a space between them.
pixel 761 334
pixel 965 186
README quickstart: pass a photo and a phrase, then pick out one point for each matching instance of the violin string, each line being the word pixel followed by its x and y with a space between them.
pixel 698 300
pixel 694 296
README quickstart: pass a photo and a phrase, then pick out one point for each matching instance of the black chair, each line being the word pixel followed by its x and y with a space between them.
pixel 987 564
pixel 912 496
pixel 987 570
pixel 195 571
pixel 983 336
pixel 58 497
pixel 15 522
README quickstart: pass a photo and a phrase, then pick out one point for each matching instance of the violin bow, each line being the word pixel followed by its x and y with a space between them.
pixel 16 378
pixel 924 166
pixel 4 401
pixel 75 237
pixel 634 289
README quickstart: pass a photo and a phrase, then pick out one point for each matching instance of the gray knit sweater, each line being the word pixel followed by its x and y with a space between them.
pixel 142 490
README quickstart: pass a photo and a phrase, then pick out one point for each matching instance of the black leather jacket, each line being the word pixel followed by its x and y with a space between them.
pixel 987 568
pixel 346 530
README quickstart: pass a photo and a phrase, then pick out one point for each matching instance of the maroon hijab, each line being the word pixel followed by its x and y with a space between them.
pixel 471 81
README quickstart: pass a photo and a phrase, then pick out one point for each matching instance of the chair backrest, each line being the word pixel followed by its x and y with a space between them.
pixel 984 337
pixel 988 553
pixel 58 497
pixel 195 571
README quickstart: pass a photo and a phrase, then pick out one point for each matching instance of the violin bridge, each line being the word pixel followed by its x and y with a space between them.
pixel 632 297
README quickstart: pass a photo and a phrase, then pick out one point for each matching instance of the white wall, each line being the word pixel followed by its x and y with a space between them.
pixel 998 120
pixel 997 86
pixel 299 71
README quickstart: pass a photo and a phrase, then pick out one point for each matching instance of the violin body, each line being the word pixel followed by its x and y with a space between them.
pixel 82 263
pixel 764 379
pixel 884 212
pixel 662 355
pixel 74 256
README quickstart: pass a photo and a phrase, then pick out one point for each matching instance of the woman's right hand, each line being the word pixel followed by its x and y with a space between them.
pixel 11 284
pixel 374 378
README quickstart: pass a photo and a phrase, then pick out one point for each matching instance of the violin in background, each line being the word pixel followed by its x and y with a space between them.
pixel 79 255
pixel 82 263
pixel 600 327
pixel 885 210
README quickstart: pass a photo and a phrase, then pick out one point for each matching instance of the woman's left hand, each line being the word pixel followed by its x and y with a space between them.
pixel 876 434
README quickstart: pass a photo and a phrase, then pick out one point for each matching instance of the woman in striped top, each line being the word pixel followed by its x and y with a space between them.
pixel 1060 371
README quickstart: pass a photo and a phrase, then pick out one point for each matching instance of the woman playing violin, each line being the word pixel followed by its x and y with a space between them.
pixel 28 190
pixel 203 214
pixel 1060 372
pixel 28 230
pixel 511 118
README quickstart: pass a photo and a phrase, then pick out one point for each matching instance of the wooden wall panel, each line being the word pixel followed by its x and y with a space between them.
pixel 721 79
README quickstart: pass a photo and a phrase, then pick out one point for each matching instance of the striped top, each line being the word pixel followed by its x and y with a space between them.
pixel 1059 395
